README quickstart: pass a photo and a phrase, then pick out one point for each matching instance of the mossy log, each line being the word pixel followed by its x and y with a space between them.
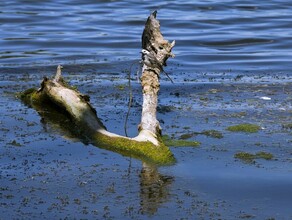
pixel 148 145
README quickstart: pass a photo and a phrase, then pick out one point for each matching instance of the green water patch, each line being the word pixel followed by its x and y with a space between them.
pixel 247 128
pixel 287 126
pixel 14 143
pixel 212 133
pixel 250 158
pixel 209 133
pixel 121 87
pixel 178 143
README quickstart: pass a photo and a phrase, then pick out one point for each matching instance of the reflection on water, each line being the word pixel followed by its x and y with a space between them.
pixel 154 189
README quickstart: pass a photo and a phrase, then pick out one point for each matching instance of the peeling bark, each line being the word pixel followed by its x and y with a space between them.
pixel 153 41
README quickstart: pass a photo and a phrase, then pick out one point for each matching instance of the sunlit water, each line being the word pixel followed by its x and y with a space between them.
pixel 96 40
pixel 212 36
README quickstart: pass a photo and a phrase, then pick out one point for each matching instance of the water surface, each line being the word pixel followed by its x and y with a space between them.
pixel 229 54
pixel 212 36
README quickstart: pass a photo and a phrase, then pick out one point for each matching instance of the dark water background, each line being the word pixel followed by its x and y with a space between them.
pixel 212 36
pixel 229 55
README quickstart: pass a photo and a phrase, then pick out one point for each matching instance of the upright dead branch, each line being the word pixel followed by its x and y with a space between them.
pixel 156 45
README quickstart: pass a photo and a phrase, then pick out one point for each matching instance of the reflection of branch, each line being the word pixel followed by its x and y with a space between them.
pixel 154 189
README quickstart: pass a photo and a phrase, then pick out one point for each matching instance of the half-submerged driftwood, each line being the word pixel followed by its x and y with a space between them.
pixel 148 145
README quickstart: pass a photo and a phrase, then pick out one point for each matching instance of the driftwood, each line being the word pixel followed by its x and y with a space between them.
pixel 148 145
pixel 154 43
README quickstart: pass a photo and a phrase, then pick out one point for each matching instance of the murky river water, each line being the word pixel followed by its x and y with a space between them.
pixel 229 55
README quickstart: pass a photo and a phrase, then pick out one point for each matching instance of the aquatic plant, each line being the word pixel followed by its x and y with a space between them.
pixel 209 133
pixel 249 157
pixel 287 126
pixel 248 128
pixel 178 143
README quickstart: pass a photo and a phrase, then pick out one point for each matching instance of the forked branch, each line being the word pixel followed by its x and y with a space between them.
pixel 148 144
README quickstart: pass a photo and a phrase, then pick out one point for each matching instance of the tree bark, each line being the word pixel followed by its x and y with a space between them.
pixel 152 41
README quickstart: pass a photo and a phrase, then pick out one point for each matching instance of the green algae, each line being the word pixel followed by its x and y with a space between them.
pixel 145 151
pixel 247 128
pixel 26 96
pixel 264 155
pixel 209 133
pixel 121 87
pixel 14 143
pixel 186 136
pixel 178 143
pixel 287 126
pixel 249 158
pixel 212 133
pixel 32 97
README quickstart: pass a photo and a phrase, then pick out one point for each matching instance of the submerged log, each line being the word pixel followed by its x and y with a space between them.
pixel 148 145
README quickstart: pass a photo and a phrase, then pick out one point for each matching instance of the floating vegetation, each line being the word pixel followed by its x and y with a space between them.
pixel 204 99
pixel 14 143
pixel 212 133
pixel 178 143
pixel 249 158
pixel 248 128
pixel 208 133
pixel 165 109
pixel 120 87
pixel 287 126
pixel 186 136
pixel 239 114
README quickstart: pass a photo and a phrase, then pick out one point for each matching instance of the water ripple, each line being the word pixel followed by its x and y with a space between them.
pixel 210 35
